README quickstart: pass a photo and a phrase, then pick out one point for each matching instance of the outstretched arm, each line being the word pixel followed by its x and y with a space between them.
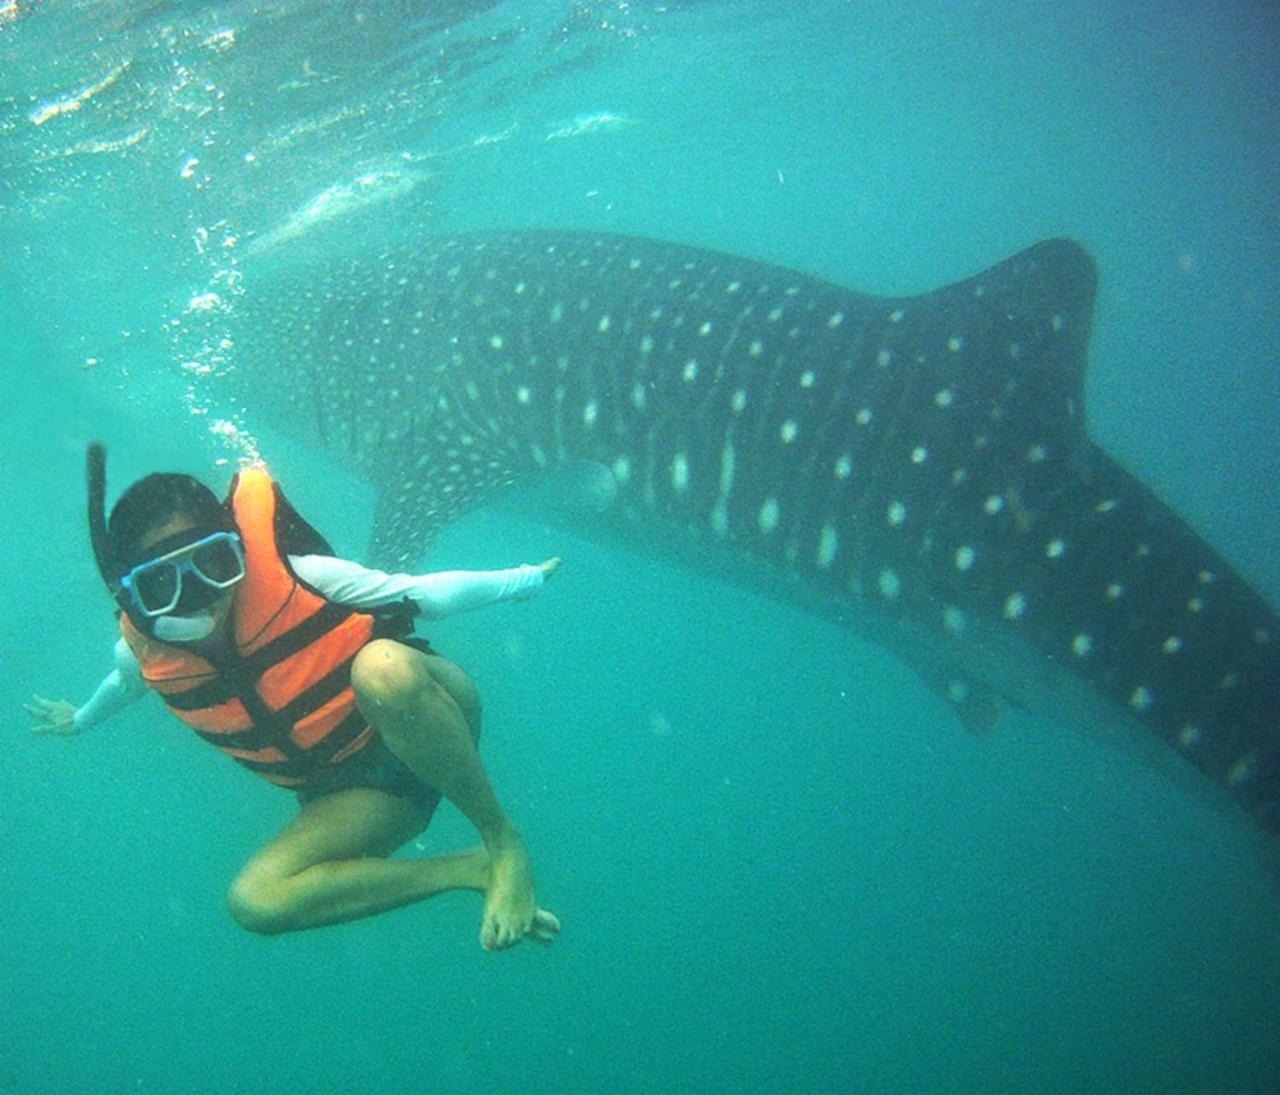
pixel 436 595
pixel 118 689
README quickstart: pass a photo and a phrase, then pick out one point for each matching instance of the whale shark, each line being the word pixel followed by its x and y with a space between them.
pixel 916 467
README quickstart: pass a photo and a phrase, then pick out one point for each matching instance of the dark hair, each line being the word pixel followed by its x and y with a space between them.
pixel 155 500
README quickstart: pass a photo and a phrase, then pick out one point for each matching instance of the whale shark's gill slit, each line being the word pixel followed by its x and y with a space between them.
pixel 917 466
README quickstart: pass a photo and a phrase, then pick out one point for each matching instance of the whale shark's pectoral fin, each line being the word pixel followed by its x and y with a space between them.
pixel 417 500
pixel 978 706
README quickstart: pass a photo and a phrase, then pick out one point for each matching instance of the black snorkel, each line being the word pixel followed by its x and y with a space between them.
pixel 103 554
pixel 109 564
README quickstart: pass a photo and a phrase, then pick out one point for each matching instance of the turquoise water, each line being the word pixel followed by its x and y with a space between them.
pixel 780 864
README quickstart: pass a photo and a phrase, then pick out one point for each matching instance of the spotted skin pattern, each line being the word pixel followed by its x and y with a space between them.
pixel 923 455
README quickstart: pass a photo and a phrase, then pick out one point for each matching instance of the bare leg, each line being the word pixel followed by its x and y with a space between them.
pixel 326 865
pixel 424 725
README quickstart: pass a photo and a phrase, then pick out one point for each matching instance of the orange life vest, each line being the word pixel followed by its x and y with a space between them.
pixel 281 703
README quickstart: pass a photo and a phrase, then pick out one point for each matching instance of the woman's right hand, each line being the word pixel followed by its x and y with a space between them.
pixel 52 716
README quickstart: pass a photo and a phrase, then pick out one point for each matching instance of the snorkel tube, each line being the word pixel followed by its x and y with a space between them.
pixel 104 556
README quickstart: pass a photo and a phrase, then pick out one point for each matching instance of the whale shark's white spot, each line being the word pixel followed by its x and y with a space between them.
pixel 680 472
pixel 843 466
pixel 955 344
pixel 1141 698
pixel 883 358
pixel 828 543
pixel 896 315
pixel 519 288
pixel 1142 550
pixel 788 431
pixel 604 323
pixel 957 691
pixel 835 319
pixel 690 372
pixel 1081 645
pixel 1229 681
pixel 965 555
pixel 768 516
pixel 889 584
pixel 944 397
pixel 1055 549
pixel 1105 506
pixel 1114 591
pixel 739 401
pixel 919 454
pixel 1189 735
pixel 720 511
pixel 774 315
pixel 646 344
pixel 733 287
pixel 960 475
pixel 1035 454
pixel 557 312
pixel 1171 645
pixel 1015 605
pixel 756 348
pixel 705 329
pixel 1056 322
pixel 807 378
pixel 634 264
pixel 993 504
pixel 495 342
pixel 954 620
pixel 1195 605
pixel 622 469
pixel 863 417
pixel 638 396
pixel 589 412
pixel 522 394
pixel 1206 577
pixel 896 514
pixel 1242 770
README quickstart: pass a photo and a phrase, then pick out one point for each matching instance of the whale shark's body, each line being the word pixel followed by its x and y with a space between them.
pixel 918 466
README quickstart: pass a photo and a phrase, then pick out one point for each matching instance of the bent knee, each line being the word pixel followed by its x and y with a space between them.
pixel 256 908
pixel 386 673
pixel 455 680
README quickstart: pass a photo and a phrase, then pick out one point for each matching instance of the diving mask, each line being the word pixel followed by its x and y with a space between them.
pixel 158 587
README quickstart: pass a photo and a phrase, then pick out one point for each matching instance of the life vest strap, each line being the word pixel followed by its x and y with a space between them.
pixel 301 765
pixel 245 671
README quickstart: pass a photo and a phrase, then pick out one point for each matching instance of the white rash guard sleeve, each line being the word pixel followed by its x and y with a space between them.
pixel 436 595
pixel 118 689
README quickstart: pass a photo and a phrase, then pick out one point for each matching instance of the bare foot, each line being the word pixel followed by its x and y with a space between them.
pixel 545 929
pixel 510 910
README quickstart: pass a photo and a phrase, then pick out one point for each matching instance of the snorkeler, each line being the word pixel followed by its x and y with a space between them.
pixel 300 666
